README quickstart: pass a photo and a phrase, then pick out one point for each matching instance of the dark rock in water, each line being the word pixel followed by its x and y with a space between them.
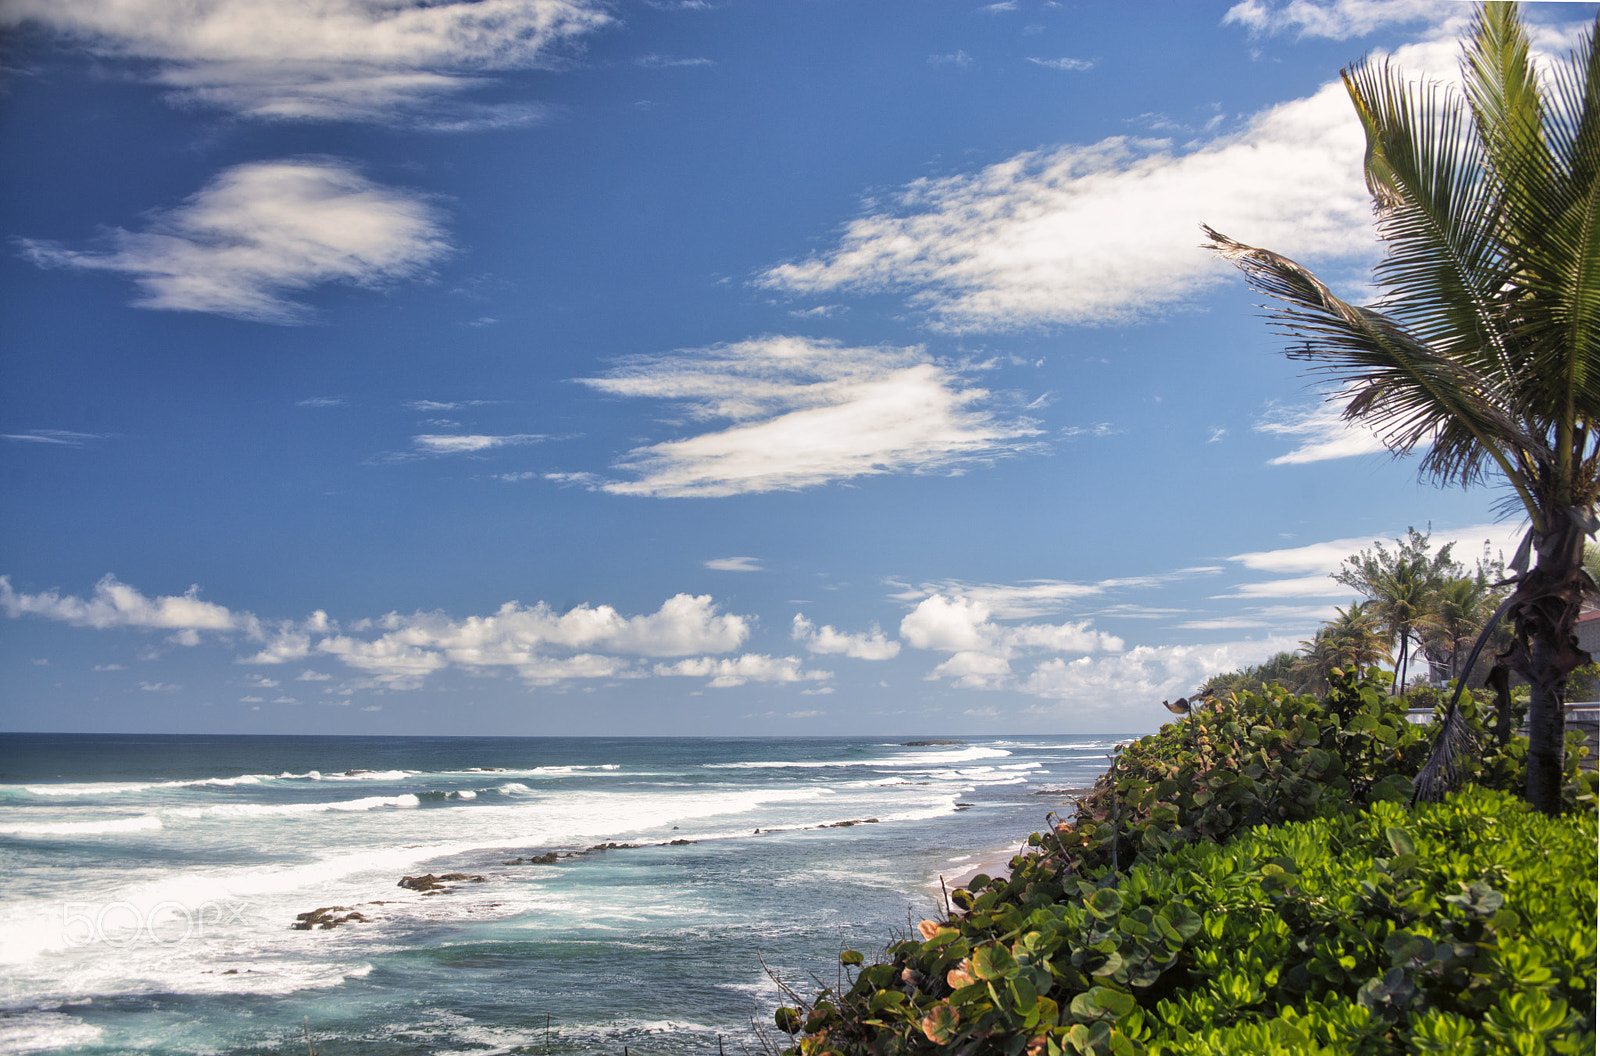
pixel 928 744
pixel 429 884
pixel 678 843
pixel 327 918
pixel 357 773
pixel 515 861
pixel 847 824
pixel 544 859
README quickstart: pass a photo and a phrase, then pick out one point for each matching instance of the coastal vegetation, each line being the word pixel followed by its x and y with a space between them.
pixel 1254 879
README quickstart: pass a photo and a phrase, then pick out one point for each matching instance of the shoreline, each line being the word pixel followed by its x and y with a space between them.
pixel 996 861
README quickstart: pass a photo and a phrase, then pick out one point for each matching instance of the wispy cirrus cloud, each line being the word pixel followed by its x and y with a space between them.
pixel 261 232
pixel 804 412
pixel 469 443
pixel 1032 598
pixel 58 437
pixel 734 564
pixel 1074 65
pixel 397 62
pixel 1338 19
pixel 1321 431
pixel 1105 232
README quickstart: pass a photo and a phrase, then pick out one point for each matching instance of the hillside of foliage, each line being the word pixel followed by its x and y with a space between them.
pixel 1253 880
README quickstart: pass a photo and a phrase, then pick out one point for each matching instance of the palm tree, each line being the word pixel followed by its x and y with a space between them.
pixel 1485 346
pixel 1351 641
pixel 1461 606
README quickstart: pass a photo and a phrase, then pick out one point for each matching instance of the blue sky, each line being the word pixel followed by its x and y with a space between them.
pixel 565 367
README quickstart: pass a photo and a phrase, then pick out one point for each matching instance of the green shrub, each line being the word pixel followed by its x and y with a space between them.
pixel 1466 926
pixel 1164 918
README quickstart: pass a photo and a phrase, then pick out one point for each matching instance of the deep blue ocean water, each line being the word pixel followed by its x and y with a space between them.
pixel 151 882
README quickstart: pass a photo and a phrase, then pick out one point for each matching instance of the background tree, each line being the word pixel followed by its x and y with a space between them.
pixel 1403 587
pixel 1354 640
pixel 1485 347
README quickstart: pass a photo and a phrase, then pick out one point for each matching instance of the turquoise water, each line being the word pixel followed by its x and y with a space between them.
pixel 152 883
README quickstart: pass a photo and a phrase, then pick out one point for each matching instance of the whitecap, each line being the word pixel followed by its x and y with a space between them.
pixel 140 823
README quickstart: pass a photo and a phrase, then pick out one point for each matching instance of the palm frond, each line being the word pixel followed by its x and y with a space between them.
pixel 1402 388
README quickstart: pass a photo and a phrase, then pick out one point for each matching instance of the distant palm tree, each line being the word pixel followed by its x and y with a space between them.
pixel 1351 641
pixel 1461 606
pixel 1485 346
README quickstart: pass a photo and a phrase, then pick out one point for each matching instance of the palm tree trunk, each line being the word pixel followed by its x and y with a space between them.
pixel 1546 605
pixel 1546 728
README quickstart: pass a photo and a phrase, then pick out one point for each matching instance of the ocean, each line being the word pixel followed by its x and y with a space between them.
pixel 152 883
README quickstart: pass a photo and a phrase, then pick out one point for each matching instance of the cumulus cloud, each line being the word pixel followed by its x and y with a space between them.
pixel 981 649
pixel 262 231
pixel 399 651
pixel 873 645
pixel 540 644
pixel 1136 681
pixel 726 672
pixel 115 604
pixel 1321 432
pixel 805 412
pixel 400 61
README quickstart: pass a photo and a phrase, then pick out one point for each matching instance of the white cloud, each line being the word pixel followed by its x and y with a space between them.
pixel 981 648
pixel 1279 617
pixel 321 401
pixel 1136 681
pixel 665 62
pixel 734 564
pixel 115 604
pixel 1077 65
pixel 1309 567
pixel 533 641
pixel 826 640
pixel 805 412
pixel 1107 232
pixel 959 59
pixel 1040 597
pixel 1338 20
pixel 1322 433
pixel 63 437
pixel 455 444
pixel 262 231
pixel 353 60
pixel 726 672
pixel 1321 586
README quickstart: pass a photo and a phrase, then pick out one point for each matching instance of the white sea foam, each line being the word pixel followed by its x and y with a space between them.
pixel 371 775
pixel 239 810
pixel 141 823
pixel 93 788
pixel 44 1031
pixel 908 759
